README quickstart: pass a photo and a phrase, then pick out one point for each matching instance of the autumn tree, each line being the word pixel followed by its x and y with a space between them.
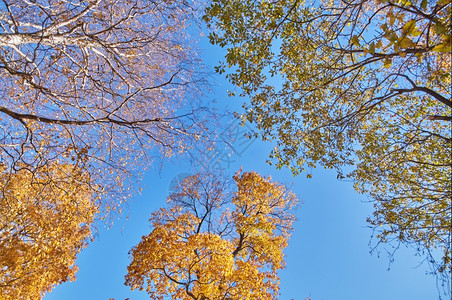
pixel 363 87
pixel 90 92
pixel 214 242
pixel 45 220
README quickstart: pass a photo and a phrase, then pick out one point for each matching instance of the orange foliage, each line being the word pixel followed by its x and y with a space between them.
pixel 216 244
pixel 45 219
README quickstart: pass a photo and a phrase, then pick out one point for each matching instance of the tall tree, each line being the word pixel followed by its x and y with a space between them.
pixel 89 92
pixel 362 86
pixel 107 80
pixel 45 220
pixel 215 243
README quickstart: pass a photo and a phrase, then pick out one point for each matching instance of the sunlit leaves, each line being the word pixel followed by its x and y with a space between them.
pixel 90 92
pixel 45 221
pixel 214 244
pixel 361 86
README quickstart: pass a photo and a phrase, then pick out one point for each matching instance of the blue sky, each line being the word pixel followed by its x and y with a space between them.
pixel 328 255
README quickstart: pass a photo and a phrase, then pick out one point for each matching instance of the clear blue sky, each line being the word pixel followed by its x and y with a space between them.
pixel 327 258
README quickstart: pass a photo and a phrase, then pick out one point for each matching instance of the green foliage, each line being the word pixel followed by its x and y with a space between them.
pixel 360 84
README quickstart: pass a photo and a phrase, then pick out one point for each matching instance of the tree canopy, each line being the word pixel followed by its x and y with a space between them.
pixel 111 81
pixel 92 90
pixel 362 87
pixel 45 221
pixel 214 242
pixel 90 93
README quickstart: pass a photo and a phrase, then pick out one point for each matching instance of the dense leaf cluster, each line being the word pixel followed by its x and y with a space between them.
pixel 354 85
pixel 214 242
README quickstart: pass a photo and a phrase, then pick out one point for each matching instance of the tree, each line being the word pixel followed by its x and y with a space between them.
pixel 111 81
pixel 212 243
pixel 359 86
pixel 45 221
pixel 90 91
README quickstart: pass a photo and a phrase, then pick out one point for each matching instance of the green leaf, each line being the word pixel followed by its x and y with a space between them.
pixel 372 48
pixel 441 29
pixel 406 43
pixel 445 47
pixel 354 40
pixel 409 27
pixel 424 4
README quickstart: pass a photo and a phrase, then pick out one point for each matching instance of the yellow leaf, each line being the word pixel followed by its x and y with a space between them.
pixel 387 62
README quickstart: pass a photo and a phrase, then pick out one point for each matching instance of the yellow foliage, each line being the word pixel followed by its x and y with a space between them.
pixel 198 249
pixel 45 219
